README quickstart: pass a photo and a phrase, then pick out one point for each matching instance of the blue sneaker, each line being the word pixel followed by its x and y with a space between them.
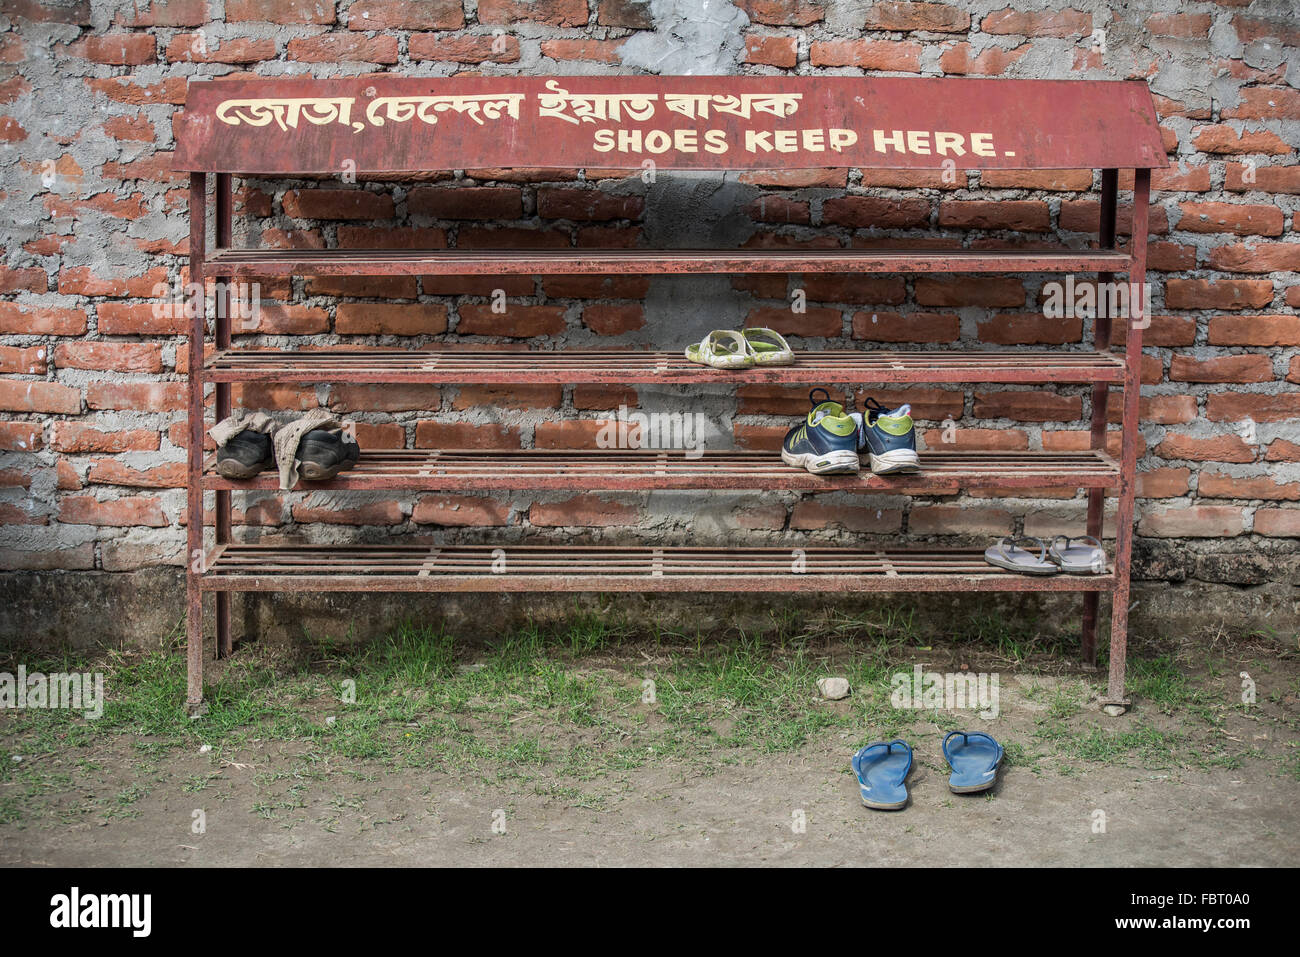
pixel 888 436
pixel 825 444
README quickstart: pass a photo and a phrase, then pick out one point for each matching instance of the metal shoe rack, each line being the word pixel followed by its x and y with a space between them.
pixel 1118 130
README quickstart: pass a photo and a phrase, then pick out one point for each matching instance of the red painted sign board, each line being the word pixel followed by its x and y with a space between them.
pixel 385 123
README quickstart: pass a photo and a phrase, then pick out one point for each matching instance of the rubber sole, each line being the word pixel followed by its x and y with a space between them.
pixel 231 469
pixel 899 460
pixel 311 472
pixel 829 463
pixel 1023 570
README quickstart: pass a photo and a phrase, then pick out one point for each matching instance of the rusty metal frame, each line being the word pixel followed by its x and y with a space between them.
pixel 228 566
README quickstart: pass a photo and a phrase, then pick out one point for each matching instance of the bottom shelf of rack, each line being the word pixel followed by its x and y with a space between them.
pixel 606 568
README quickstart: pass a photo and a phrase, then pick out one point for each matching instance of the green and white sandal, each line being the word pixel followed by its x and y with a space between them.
pixel 770 347
pixel 723 349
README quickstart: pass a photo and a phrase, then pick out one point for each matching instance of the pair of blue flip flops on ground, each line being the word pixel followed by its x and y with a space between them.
pixel 882 768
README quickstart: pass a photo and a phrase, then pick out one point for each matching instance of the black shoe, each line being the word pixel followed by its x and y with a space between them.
pixel 325 454
pixel 245 455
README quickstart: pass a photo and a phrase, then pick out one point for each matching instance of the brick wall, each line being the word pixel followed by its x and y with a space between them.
pixel 92 380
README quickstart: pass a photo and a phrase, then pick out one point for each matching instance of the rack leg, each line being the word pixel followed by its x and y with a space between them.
pixel 193 646
pixel 1091 600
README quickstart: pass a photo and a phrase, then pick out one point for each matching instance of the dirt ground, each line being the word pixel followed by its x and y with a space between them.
pixel 1177 781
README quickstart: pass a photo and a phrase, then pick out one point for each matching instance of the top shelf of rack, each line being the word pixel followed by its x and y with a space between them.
pixel 594 262
pixel 385 124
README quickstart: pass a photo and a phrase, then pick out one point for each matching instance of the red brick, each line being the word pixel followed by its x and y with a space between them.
pixel 111 472
pixel 783 13
pixel 20 319
pixel 384 435
pixel 329 48
pixel 905 17
pixel 127 89
pixel 1249 367
pixel 166 13
pixel 1223 485
pixel 337 204
pixel 829 178
pixel 1056 23
pixel 624 13
pixel 20 436
pixel 959 292
pixel 1030 329
pixel 557 13
pixel 109 356
pixel 613 320
pixel 466 202
pixel 1084 216
pixel 586 204
pixel 909 327
pixel 1220 294
pixel 590 51
pixel 813 515
pixel 1060 180
pixel 406 15
pixel 120 512
pixel 141 318
pixel 780 52
pixel 852 287
pixel 76 438
pixel 371 513
pixel 1278 522
pixel 514 396
pixel 1028 406
pixel 1238 218
pixel 1265 103
pixel 17 515
pixel 507 237
pixel 466 435
pixel 1184 25
pixel 1225 139
pixel 1022 215
pixel 1163 331
pixel 183 48
pixel 1268 179
pixel 463 49
pixel 1272 257
pixel 963 439
pixel 280 319
pixel 287 12
pixel 1204 521
pixel 1280 450
pixel 363 287
pixel 894 56
pixel 80 281
pixel 814 321
pixel 958 520
pixel 390 319
pixel 865 212
pixel 142 396
pixel 389 397
pixel 460 510
pixel 992 62
pixel 520 322
pixel 914 178
pixel 1163 482
pixel 603 398
pixel 582 510
pixel 569 434
pixel 23 360
pixel 118 49
pixel 33 279
pixel 1237 406
pixel 22 396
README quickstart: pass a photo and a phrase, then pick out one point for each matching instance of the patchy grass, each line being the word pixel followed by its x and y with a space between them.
pixel 559 711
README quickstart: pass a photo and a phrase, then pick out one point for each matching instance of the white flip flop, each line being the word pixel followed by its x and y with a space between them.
pixel 722 349
pixel 1074 559
pixel 1009 555
pixel 769 346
